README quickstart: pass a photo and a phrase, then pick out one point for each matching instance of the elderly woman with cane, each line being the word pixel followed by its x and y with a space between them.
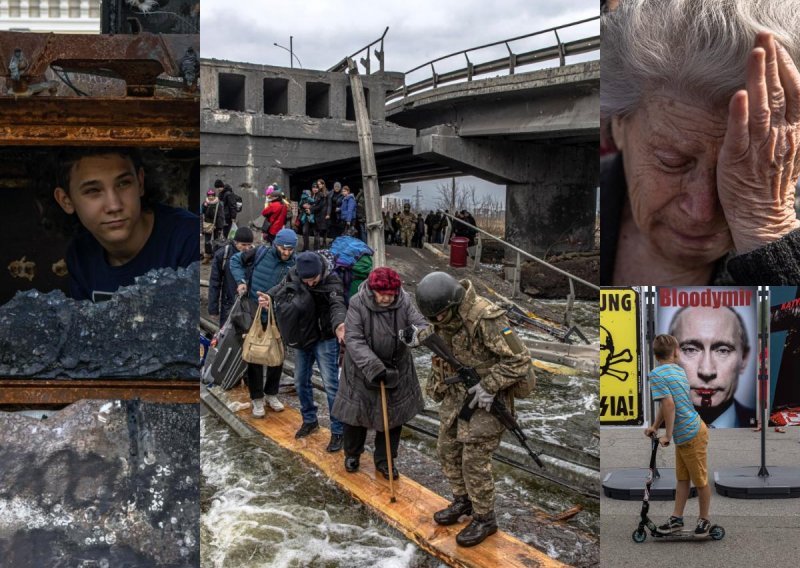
pixel 378 363
pixel 703 99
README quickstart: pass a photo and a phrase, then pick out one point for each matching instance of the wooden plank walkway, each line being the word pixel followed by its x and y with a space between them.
pixel 411 514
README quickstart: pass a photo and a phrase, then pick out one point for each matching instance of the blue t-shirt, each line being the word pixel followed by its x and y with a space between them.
pixel 174 243
pixel 670 380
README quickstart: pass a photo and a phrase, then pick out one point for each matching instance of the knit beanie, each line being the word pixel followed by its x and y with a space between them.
pixel 286 238
pixel 309 265
pixel 243 235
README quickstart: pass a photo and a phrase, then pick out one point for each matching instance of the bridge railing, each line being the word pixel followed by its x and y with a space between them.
pixel 518 265
pixel 560 50
pixel 365 61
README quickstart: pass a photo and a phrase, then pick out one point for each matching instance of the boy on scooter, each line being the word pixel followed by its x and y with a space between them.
pixel 669 385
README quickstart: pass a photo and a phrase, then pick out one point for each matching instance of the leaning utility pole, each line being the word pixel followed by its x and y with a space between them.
pixel 369 174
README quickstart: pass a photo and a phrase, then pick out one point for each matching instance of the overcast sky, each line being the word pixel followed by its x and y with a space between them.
pixel 325 31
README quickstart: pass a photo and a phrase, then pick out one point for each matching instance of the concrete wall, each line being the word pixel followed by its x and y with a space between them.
pixel 297 86
pixel 556 210
pixel 253 145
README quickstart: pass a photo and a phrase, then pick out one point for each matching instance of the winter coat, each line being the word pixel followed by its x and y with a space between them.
pixel 228 204
pixel 420 231
pixel 301 211
pixel 349 209
pixel 221 285
pixel 267 272
pixel 328 297
pixel 275 215
pixel 372 345
pixel 321 208
pixel 336 207
pixel 361 208
pixel 211 215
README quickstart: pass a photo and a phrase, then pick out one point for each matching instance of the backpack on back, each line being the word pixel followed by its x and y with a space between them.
pixel 352 260
pixel 237 201
pixel 295 315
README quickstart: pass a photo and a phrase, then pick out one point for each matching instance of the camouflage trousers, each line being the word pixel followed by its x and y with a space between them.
pixel 468 467
pixel 406 236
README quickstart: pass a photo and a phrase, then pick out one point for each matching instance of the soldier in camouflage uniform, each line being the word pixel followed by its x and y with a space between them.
pixel 479 336
pixel 408 222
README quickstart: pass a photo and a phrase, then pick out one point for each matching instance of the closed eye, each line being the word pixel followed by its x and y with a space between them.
pixel 672 161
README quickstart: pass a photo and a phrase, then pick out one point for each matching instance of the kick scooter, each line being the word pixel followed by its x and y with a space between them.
pixel 716 532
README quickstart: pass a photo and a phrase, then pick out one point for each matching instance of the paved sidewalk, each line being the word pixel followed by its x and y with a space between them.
pixel 758 532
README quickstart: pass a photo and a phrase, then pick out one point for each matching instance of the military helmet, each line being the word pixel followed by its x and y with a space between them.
pixel 437 292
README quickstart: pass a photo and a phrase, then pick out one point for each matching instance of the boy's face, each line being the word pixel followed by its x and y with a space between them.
pixel 105 192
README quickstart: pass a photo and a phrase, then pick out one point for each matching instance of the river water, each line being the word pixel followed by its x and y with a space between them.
pixel 264 506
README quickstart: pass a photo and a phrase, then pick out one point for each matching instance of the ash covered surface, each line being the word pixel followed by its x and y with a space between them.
pixel 147 330
pixel 81 488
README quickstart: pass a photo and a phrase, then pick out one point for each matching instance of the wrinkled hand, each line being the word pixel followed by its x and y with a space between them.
pixel 241 289
pixel 759 161
pixel 263 300
pixel 340 332
pixel 482 399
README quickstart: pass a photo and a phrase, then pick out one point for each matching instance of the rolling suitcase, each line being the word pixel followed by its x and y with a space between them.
pixel 224 365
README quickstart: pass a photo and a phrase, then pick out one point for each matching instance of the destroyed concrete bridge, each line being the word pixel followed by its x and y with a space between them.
pixel 536 132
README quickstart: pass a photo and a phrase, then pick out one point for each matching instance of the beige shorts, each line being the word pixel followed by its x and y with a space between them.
pixel 691 459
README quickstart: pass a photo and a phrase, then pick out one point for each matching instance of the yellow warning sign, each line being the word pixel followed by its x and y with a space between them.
pixel 620 356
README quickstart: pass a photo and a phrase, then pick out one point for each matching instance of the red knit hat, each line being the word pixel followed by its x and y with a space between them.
pixel 384 280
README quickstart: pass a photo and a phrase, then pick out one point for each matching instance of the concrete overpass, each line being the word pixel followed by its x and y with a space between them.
pixel 535 132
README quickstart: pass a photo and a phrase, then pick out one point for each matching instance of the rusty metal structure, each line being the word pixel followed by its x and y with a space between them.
pixel 88 90
pixel 135 90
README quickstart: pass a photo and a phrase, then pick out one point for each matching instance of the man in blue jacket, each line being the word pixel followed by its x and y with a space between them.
pixel 269 266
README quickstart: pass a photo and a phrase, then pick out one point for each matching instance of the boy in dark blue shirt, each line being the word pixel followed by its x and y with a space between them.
pixel 123 237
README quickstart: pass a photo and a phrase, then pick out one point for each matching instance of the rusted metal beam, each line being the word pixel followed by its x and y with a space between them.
pixel 154 122
pixel 67 391
pixel 137 59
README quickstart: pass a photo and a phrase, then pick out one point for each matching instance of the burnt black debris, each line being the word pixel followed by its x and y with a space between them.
pixel 147 330
pixel 82 486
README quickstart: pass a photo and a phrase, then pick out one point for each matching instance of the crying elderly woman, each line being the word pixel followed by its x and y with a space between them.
pixel 703 99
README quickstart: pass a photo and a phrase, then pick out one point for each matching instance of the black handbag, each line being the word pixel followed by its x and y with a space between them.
pixel 241 316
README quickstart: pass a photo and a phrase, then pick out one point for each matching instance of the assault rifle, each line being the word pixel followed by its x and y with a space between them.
pixel 469 376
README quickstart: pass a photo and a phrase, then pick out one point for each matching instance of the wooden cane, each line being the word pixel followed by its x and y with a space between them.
pixel 388 444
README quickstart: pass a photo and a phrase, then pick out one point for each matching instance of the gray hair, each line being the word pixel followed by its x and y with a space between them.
pixel 696 47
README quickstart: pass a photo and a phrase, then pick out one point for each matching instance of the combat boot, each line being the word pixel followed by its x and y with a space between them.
pixel 476 532
pixel 461 505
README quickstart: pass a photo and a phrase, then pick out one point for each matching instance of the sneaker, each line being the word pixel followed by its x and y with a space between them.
pixel 258 408
pixel 337 440
pixel 703 527
pixel 306 429
pixel 274 403
pixel 674 524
